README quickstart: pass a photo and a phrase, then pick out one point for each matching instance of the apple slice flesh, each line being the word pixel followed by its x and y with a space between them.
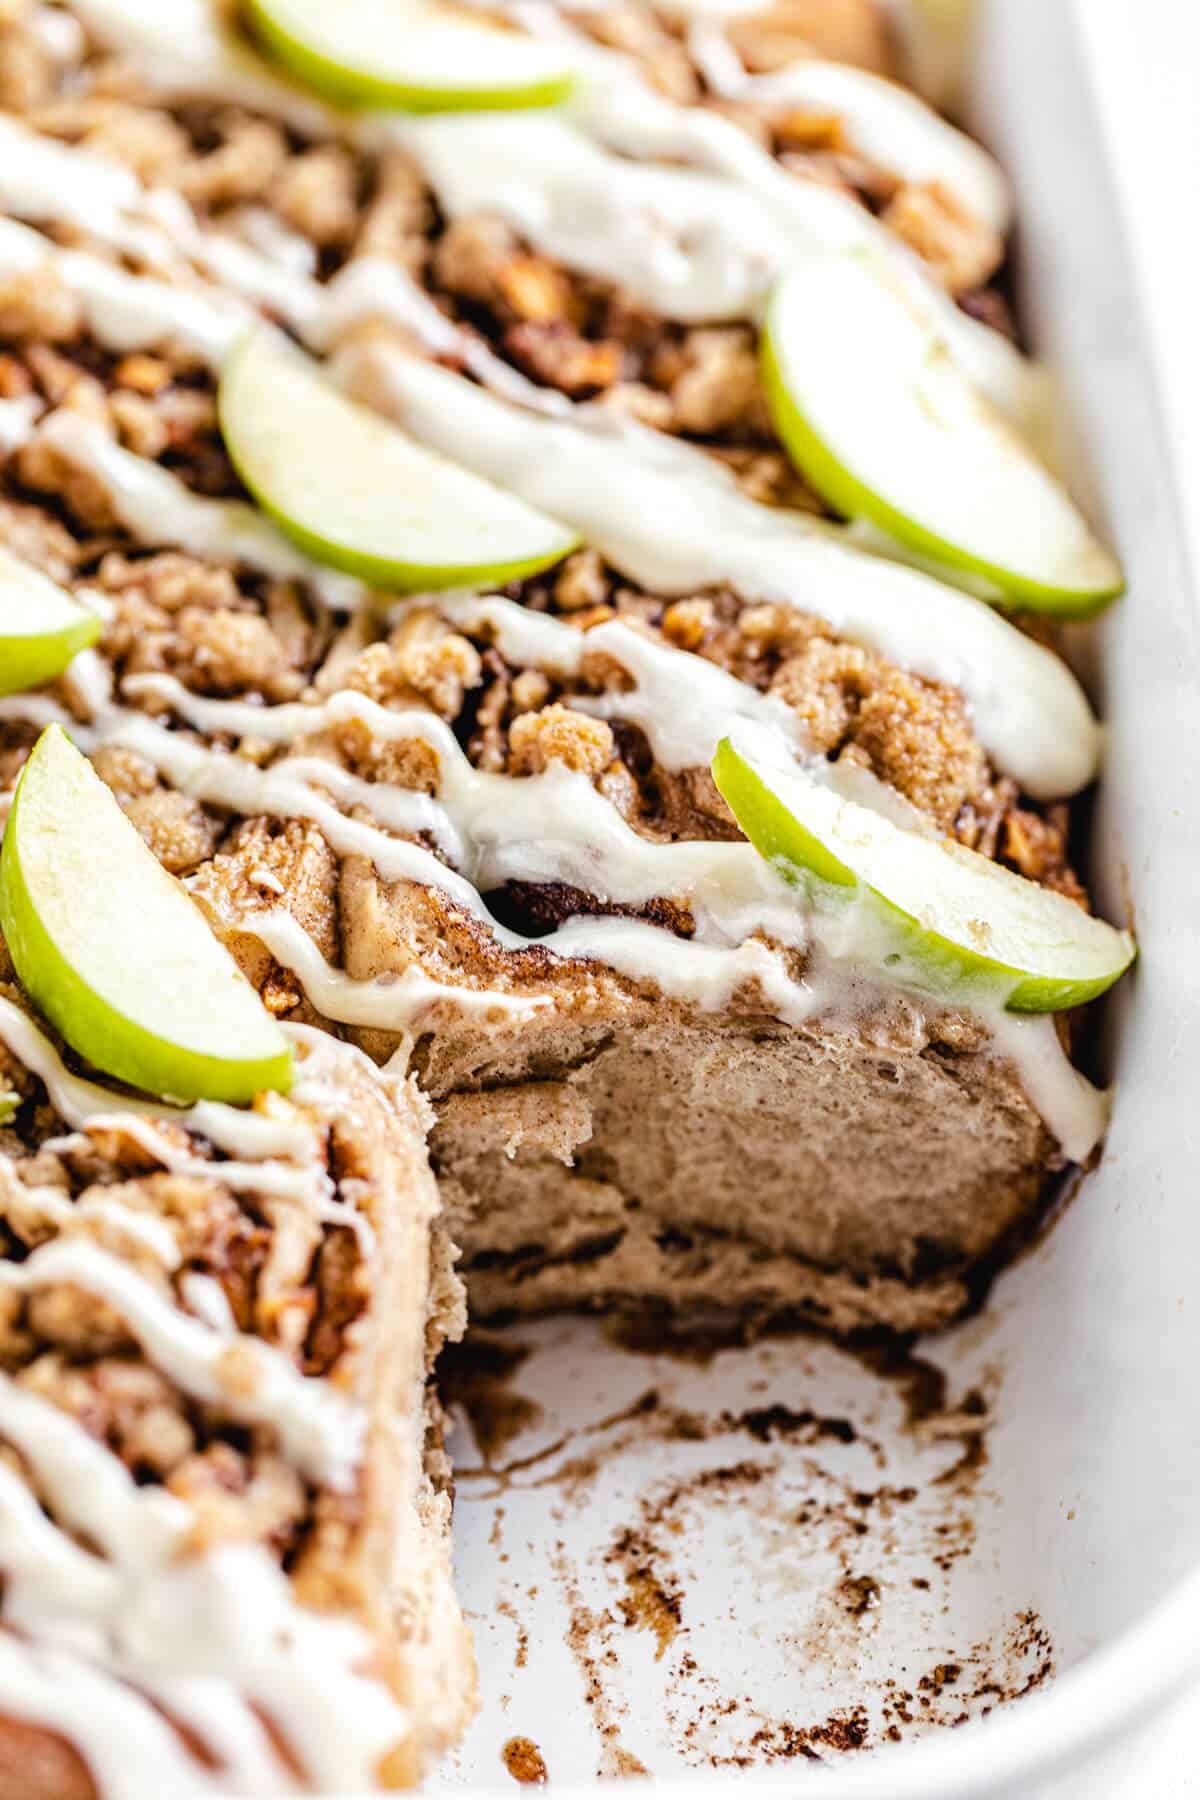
pixel 414 55
pixel 946 917
pixel 114 952
pixel 41 627
pixel 878 416
pixel 355 492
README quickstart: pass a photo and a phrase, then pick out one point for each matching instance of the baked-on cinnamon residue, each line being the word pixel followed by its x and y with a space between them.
pixel 854 1519
pixel 524 1761
pixel 650 1604
pixel 475 1375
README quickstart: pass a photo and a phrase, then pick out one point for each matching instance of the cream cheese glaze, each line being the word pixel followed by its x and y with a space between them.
pixel 157 508
pixel 31 1208
pixel 691 243
pixel 180 48
pixel 145 1616
pixel 883 121
pixel 1028 710
pixel 265 1156
pixel 616 106
pixel 318 1428
pixel 665 516
pixel 668 518
pixel 138 1617
pixel 47 183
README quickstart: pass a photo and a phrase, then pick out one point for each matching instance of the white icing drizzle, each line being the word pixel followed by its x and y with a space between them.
pixel 684 239
pixel 682 703
pixel 1028 710
pixel 178 47
pixel 386 1002
pixel 372 287
pixel 527 638
pixel 885 122
pixel 226 781
pixel 265 232
pixel 233 1130
pixel 616 106
pixel 47 1206
pixel 306 1182
pixel 554 827
pixel 114 1727
pixel 181 49
pixel 45 181
pixel 1074 1111
pixel 684 711
pixel 731 891
pixel 667 517
pixel 74 1099
pixel 318 1427
pixel 728 893
pixel 220 1718
pixel 60 35
pixel 88 680
pixel 204 1296
pixel 205 1633
pixel 123 311
pixel 250 1134
pixel 157 508
pixel 706 975
pixel 17 420
pixel 549 827
pixel 666 234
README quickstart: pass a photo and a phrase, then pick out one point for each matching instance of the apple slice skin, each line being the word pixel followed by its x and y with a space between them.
pixel 101 1034
pixel 358 89
pixel 30 658
pixel 853 499
pixel 385 572
pixel 29 662
pixel 929 959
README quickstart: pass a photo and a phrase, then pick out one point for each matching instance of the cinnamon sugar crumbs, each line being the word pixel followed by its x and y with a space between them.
pixel 556 734
pixel 524 1762
pixel 960 249
pixel 852 31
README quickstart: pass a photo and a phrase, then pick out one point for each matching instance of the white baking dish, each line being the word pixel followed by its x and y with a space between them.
pixel 1085 1513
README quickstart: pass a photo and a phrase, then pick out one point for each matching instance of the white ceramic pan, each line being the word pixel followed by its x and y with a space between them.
pixel 782 1561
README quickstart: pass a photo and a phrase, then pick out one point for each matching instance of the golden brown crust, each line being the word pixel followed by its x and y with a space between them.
pixel 37 1764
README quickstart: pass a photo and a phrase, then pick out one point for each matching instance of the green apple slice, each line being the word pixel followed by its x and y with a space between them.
pixel 415 55
pixel 943 916
pixel 878 416
pixel 41 627
pixel 114 952
pixel 354 492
